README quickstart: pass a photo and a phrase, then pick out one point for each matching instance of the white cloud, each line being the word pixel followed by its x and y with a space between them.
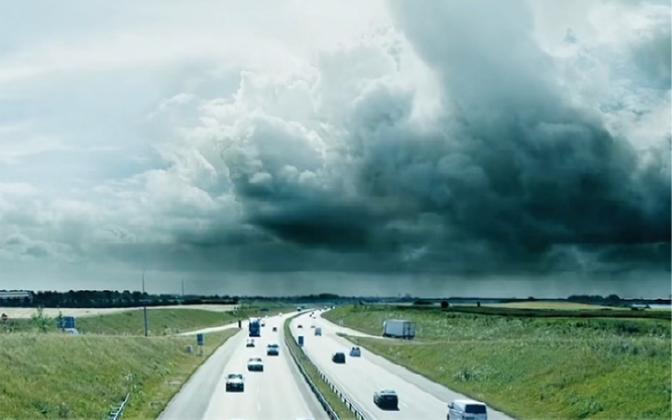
pixel 204 128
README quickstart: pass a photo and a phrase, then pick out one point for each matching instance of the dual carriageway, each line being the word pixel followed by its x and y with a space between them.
pixel 281 393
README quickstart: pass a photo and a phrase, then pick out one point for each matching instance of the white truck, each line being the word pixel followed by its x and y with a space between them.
pixel 398 328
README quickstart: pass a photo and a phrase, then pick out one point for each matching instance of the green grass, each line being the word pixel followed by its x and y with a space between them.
pixel 59 376
pixel 532 368
pixel 540 304
pixel 334 401
pixel 161 321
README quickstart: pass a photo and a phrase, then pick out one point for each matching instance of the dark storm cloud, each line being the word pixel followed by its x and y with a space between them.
pixel 514 180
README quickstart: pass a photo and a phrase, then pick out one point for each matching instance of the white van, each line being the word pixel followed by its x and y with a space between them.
pixel 467 410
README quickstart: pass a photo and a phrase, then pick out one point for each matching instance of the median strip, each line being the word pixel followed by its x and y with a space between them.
pixel 333 400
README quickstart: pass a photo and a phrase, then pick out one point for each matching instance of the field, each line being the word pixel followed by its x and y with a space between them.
pixel 59 376
pixel 540 304
pixel 532 367
pixel 53 375
pixel 14 313
pixel 130 322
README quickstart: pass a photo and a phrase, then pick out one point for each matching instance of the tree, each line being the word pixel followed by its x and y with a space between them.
pixel 444 304
pixel 40 320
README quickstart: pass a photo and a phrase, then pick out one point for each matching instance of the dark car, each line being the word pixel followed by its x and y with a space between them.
pixel 250 343
pixel 275 329
pixel 273 350
pixel 386 399
pixel 338 357
pixel 234 382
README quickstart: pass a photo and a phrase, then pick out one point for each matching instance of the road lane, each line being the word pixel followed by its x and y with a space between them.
pixel 280 392
pixel 360 377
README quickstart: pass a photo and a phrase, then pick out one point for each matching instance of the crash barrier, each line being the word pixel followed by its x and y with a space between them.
pixel 116 411
pixel 320 397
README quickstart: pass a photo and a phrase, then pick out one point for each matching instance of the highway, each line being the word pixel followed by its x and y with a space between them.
pixel 360 377
pixel 280 392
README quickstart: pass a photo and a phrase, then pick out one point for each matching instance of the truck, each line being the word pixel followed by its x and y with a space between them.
pixel 254 327
pixel 399 328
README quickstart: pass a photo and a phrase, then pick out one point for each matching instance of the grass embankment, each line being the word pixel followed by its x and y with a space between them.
pixel 334 401
pixel 53 375
pixel 551 368
pixel 62 376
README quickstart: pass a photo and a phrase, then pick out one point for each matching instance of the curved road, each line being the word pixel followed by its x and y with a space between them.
pixel 280 392
pixel 360 377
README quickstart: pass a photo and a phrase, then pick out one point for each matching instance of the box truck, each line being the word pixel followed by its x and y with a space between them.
pixel 398 328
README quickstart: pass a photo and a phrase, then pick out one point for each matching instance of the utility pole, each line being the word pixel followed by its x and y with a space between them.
pixel 144 302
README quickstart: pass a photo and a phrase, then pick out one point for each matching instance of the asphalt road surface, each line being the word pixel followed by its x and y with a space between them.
pixel 280 392
pixel 360 377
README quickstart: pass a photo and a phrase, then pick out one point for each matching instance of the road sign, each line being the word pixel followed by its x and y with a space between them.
pixel 199 339
pixel 300 341
pixel 65 322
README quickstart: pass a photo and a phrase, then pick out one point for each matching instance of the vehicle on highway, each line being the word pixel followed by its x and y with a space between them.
pixel 312 326
pixel 299 326
pixel 464 409
pixel 254 327
pixel 273 350
pixel 263 323
pixel 355 352
pixel 399 328
pixel 255 364
pixel 235 382
pixel 275 329
pixel 386 399
pixel 318 331
pixel 338 357
pixel 250 343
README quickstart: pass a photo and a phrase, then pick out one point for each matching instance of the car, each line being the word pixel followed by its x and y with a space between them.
pixel 235 382
pixel 263 324
pixel 338 357
pixel 312 326
pixel 275 329
pixel 467 409
pixel 355 352
pixel 250 343
pixel 318 331
pixel 299 326
pixel 386 399
pixel 255 364
pixel 272 350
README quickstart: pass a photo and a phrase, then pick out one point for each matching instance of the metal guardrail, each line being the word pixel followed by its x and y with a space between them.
pixel 325 404
pixel 115 412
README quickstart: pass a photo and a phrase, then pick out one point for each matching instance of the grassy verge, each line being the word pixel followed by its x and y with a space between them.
pixel 161 321
pixel 334 401
pixel 551 368
pixel 60 376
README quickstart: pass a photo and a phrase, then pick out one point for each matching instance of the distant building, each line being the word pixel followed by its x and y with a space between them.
pixel 15 295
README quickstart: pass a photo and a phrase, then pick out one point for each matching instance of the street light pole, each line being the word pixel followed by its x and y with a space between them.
pixel 144 307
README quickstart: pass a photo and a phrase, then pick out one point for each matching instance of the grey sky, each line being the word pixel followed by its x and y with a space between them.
pixel 457 140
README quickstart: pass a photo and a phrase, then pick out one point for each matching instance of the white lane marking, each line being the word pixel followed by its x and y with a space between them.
pixel 259 406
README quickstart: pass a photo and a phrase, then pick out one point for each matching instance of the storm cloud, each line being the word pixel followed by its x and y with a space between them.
pixel 452 139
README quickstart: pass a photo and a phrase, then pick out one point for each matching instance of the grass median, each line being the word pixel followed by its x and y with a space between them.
pixel 551 368
pixel 334 400
pixel 60 376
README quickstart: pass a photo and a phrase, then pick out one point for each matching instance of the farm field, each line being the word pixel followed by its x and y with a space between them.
pixel 14 313
pixel 532 367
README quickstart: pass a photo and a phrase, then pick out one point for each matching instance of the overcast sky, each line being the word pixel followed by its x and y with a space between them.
pixel 483 146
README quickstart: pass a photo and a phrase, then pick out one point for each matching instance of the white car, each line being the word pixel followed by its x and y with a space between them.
pixel 467 409
pixel 272 350
pixel 235 382
pixel 255 364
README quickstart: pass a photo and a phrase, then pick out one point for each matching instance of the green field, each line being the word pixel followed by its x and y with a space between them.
pixel 51 376
pixel 334 401
pixel 161 321
pixel 532 367
pixel 48 374
pixel 541 304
